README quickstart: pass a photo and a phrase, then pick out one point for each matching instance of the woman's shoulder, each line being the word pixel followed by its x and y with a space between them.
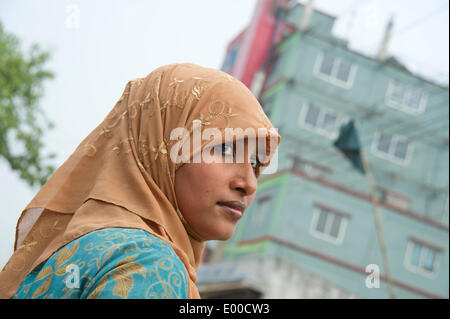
pixel 127 239
pixel 110 263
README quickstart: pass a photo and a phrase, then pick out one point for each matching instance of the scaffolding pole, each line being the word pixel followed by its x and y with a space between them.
pixel 374 201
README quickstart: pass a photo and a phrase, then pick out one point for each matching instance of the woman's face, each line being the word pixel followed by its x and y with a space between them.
pixel 205 191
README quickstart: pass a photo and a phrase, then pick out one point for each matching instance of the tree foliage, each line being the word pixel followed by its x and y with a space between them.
pixel 22 121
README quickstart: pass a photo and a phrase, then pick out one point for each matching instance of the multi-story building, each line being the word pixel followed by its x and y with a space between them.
pixel 311 230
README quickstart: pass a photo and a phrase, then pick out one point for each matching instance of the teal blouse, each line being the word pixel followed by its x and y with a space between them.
pixel 109 263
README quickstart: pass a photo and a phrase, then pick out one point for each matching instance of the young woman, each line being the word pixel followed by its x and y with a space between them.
pixel 127 215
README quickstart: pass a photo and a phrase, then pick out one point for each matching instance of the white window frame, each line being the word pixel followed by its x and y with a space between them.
pixel 405 107
pixel 419 270
pixel 389 156
pixel 329 222
pixel 394 199
pixel 340 119
pixel 332 78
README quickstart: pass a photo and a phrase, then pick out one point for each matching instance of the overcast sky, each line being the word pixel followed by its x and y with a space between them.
pixel 97 46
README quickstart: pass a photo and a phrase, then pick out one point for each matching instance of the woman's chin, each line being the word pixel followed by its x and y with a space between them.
pixel 225 235
pixel 220 235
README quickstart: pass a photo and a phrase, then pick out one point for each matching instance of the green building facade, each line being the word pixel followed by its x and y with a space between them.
pixel 315 213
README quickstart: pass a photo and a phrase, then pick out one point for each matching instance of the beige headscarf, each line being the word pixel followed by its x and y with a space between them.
pixel 122 175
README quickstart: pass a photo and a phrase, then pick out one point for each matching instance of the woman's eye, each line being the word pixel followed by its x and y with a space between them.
pixel 227 149
pixel 223 150
pixel 255 162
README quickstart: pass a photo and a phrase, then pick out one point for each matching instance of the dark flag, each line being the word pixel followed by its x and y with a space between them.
pixel 348 143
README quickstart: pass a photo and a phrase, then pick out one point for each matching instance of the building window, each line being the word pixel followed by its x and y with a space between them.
pixel 320 120
pixel 335 70
pixel 311 169
pixel 391 198
pixel 258 219
pixel 422 258
pixel 328 224
pixel 406 98
pixel 262 210
pixel 394 148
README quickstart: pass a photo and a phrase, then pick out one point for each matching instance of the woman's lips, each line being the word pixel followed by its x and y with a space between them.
pixel 234 212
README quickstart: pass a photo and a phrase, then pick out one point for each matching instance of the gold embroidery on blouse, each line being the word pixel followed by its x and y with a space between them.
pixel 166 263
pixel 123 277
pixel 65 254
pixel 43 287
pixel 98 290
pixel 44 273
pixel 160 280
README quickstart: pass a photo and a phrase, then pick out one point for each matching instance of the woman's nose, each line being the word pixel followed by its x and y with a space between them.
pixel 245 180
